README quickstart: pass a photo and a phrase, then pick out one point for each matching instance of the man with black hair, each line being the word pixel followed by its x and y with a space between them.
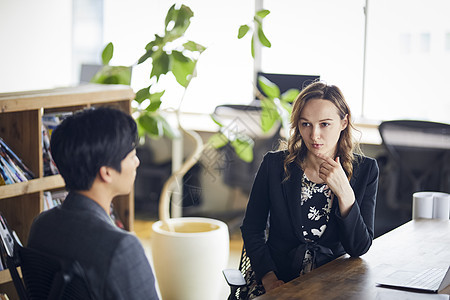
pixel 95 153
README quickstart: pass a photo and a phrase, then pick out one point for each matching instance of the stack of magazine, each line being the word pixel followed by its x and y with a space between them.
pixel 12 169
pixel 49 122
pixel 54 198
pixel 7 239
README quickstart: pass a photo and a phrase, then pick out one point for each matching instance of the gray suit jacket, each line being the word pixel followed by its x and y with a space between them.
pixel 113 259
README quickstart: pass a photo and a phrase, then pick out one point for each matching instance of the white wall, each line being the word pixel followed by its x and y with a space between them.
pixel 35 51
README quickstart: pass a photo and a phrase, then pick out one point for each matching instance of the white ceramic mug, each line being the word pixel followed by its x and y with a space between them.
pixel 422 205
pixel 441 205
pixel 188 262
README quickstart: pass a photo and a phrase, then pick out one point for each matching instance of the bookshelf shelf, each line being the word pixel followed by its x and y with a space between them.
pixel 20 127
pixel 32 186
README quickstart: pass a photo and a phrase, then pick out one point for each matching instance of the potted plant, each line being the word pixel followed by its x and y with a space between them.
pixel 182 247
pixel 188 253
pixel 275 107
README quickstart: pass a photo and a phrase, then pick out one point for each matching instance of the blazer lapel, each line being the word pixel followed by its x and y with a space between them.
pixel 292 195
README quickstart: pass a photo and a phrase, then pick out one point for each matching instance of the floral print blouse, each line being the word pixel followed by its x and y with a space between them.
pixel 316 200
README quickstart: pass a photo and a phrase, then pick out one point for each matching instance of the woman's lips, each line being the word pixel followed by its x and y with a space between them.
pixel 317 146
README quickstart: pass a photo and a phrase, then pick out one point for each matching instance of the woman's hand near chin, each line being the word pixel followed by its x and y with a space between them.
pixel 332 173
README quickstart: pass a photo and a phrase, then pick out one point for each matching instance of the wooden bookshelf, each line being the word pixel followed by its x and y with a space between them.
pixel 20 127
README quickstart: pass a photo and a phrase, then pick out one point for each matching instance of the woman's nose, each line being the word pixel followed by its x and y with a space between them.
pixel 315 132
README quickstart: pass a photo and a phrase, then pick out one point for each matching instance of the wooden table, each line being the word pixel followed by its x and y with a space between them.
pixel 414 246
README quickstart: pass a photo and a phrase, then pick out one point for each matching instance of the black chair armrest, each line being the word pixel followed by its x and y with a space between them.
pixel 234 277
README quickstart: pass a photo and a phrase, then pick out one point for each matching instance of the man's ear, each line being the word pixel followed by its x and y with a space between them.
pixel 105 174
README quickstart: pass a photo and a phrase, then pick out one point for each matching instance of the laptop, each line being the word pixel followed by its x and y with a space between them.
pixel 430 280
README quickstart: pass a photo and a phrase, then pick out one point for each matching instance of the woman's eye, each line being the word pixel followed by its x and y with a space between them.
pixel 325 124
pixel 305 124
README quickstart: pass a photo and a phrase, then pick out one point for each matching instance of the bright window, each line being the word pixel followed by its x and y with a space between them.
pixel 224 69
pixel 323 38
pixel 408 60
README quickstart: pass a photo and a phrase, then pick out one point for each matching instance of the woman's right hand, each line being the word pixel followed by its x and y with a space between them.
pixel 270 281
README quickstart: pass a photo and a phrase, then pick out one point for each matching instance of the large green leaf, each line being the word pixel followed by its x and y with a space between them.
pixel 269 88
pixel 160 64
pixel 181 18
pixel 290 95
pixel 154 105
pixel 262 13
pixel 113 75
pixel 179 56
pixel 218 140
pixel 156 96
pixel 142 94
pixel 269 114
pixel 151 125
pixel 243 31
pixel 107 54
pixel 170 16
pixel 151 47
pixel 253 46
pixel 182 68
pixel 193 46
pixel 144 57
pixel 158 41
pixel 243 149
pixel 167 128
pixel 262 38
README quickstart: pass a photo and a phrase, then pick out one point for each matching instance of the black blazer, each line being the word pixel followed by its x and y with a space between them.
pixel 278 202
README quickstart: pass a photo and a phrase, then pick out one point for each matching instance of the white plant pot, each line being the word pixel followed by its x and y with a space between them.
pixel 188 263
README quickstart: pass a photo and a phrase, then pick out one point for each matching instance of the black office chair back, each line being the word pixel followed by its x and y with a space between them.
pixel 419 156
pixel 49 277
pixel 46 276
pixel 418 147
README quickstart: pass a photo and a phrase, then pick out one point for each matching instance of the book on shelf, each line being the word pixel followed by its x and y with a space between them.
pixel 3 296
pixel 7 239
pixel 49 122
pixel 52 120
pixel 49 164
pixel 54 198
pixel 12 169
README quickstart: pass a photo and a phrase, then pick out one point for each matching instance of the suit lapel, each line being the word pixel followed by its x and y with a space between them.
pixel 292 196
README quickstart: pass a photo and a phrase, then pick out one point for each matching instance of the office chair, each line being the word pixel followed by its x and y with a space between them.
pixel 244 119
pixel 237 174
pixel 243 281
pixel 46 276
pixel 419 151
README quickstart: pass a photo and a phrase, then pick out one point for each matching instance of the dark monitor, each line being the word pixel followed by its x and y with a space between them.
pixel 288 81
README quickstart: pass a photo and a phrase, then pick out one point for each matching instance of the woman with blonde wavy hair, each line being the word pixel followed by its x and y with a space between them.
pixel 317 194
